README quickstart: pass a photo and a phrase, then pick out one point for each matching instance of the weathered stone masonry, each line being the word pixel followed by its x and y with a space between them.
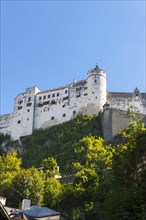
pixel 36 109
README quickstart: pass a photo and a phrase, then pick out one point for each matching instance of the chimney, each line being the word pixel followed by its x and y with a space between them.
pixel 26 203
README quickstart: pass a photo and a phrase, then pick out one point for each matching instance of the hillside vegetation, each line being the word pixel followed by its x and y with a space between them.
pixel 109 178
pixel 59 142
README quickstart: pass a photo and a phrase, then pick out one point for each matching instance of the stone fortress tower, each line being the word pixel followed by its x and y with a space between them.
pixel 36 109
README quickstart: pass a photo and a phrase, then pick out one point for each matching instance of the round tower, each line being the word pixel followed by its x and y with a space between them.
pixel 96 81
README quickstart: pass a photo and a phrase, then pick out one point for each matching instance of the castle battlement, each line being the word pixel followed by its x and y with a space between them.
pixel 36 109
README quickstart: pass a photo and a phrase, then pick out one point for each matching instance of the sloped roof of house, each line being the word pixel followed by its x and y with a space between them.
pixel 37 211
pixel 3 213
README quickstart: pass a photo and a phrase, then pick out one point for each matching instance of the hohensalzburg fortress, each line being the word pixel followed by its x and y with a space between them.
pixel 36 109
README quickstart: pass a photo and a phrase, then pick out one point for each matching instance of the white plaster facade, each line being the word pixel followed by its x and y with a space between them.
pixel 36 109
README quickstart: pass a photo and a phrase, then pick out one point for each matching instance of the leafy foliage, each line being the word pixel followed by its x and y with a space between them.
pixel 58 142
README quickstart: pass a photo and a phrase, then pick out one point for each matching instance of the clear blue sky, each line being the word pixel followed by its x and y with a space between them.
pixel 50 43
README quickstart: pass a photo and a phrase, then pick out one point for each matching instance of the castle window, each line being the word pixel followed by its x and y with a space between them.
pixel 77 96
pixel 64 115
pixel 27 119
pixel 85 94
pixel 95 80
pixel 29 99
pixel 63 106
pixel 45 109
pixel 40 98
pixel 53 102
pixel 46 103
pixel 58 94
pixel 85 87
pixel 20 102
pixel 52 118
pixel 19 107
pixel 40 104
pixel 78 89
pixel 53 95
pixel 74 112
pixel 65 98
pixel 28 110
pixel 18 122
pixel 48 96
pixel 65 91
pixel 44 97
pixel 92 92
pixel 28 104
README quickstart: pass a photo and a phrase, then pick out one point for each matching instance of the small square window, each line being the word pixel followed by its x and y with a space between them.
pixel 65 91
pixel 40 98
pixel 19 107
pixel 44 97
pixel 52 118
pixel 58 94
pixel 64 115
pixel 53 95
pixel 48 96
pixel 28 104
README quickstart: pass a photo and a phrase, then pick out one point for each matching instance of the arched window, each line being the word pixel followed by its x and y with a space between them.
pixel 53 102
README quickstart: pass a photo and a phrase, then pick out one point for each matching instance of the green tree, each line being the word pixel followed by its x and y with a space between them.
pixel 10 164
pixel 50 167
pixel 125 198
pixel 27 184
pixel 53 191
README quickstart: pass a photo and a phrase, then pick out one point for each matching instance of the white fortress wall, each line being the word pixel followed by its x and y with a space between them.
pixel 36 109
pixel 50 107
pixel 6 123
pixel 62 104
pixel 123 101
pixel 23 114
